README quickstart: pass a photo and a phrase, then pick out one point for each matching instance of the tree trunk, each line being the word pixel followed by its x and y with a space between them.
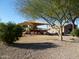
pixel 73 25
pixel 61 37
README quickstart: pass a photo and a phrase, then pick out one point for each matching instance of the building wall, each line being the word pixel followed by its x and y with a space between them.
pixel 52 30
pixel 66 29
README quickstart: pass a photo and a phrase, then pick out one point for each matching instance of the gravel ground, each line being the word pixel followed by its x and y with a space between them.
pixel 41 47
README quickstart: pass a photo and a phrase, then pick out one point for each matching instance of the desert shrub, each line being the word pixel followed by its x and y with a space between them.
pixel 9 32
pixel 75 32
pixel 19 30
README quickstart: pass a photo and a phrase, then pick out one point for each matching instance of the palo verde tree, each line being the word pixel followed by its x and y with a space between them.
pixel 55 12
pixel 72 7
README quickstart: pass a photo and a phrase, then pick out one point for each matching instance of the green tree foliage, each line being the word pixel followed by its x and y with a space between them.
pixel 72 11
pixel 55 12
pixel 9 32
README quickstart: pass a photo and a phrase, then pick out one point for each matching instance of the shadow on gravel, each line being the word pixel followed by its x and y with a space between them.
pixel 35 46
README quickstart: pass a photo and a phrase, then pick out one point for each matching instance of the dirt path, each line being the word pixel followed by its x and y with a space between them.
pixel 41 47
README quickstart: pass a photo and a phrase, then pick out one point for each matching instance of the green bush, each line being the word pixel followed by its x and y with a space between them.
pixel 75 32
pixel 9 32
pixel 19 30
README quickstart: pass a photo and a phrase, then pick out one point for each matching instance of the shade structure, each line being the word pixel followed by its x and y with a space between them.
pixel 33 23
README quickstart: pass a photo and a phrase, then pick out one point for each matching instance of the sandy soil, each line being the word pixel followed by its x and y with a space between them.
pixel 41 47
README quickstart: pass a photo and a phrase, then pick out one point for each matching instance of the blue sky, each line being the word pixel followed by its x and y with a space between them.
pixel 8 12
